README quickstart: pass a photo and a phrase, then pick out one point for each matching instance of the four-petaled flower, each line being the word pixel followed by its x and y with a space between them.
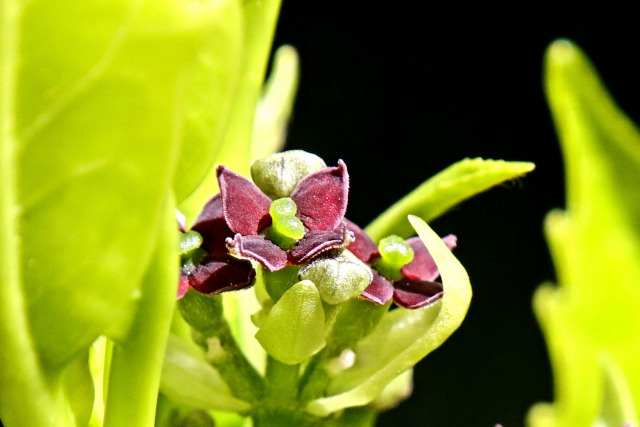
pixel 237 226
pixel 414 286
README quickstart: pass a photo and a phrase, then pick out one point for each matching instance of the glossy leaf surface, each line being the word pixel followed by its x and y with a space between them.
pixel 97 103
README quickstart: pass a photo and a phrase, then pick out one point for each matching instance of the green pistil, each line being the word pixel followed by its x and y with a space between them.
pixel 286 229
pixel 395 253
pixel 282 208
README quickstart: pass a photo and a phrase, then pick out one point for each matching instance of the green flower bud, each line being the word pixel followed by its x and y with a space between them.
pixel 189 241
pixel 395 253
pixel 278 175
pixel 338 278
pixel 294 328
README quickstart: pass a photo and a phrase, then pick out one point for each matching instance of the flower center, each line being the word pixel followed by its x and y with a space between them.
pixel 395 253
pixel 286 228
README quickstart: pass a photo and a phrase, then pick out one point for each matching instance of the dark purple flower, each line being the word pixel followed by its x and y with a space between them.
pixel 236 227
pixel 415 287
pixel 321 201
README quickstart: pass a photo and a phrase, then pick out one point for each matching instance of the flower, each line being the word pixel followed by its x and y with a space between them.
pixel 402 271
pixel 243 224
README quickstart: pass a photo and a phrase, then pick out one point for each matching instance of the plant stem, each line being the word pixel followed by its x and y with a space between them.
pixel 137 362
pixel 282 381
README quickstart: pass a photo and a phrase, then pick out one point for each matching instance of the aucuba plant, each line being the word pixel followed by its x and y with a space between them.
pixel 113 116
pixel 330 300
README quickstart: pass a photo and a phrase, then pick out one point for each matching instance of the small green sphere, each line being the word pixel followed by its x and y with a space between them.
pixel 395 251
pixel 289 226
pixel 282 207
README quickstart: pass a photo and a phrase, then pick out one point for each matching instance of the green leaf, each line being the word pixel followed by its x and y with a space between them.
pixel 207 92
pixel 95 101
pixel 438 194
pixel 597 237
pixel 188 380
pixel 294 328
pixel 403 337
pixel 617 401
pixel 275 105
pixel 100 93
pixel 259 19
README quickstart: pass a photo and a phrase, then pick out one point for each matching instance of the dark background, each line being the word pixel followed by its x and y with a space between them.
pixel 400 91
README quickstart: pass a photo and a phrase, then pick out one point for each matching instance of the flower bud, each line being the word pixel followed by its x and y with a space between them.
pixel 294 328
pixel 278 174
pixel 338 278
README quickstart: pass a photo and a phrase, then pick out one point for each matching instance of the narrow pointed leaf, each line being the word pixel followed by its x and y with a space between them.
pixel 438 194
pixel 275 106
pixel 259 19
pixel 207 92
pixel 403 337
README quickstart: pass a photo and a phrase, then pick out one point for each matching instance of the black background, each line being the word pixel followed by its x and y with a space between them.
pixel 400 91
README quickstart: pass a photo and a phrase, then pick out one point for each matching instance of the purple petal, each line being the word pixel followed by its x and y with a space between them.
pixel 246 208
pixel 423 267
pixel 362 246
pixel 322 197
pixel 317 242
pixel 416 293
pixel 380 291
pixel 222 273
pixel 258 249
pixel 183 286
pixel 212 227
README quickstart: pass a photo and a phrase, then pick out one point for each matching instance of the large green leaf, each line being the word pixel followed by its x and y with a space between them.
pixel 96 100
pixel 403 337
pixel 441 192
pixel 596 249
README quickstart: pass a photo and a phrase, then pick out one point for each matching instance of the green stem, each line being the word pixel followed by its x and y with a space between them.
pixel 282 381
pixel 137 362
pixel 25 396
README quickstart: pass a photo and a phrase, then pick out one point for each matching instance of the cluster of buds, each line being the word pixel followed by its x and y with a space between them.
pixel 322 282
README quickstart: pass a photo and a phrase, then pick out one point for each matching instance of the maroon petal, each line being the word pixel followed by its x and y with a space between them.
pixel 212 227
pixel 380 291
pixel 322 198
pixel 222 273
pixel 362 246
pixel 183 286
pixel 416 293
pixel 246 208
pixel 258 249
pixel 423 267
pixel 317 242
